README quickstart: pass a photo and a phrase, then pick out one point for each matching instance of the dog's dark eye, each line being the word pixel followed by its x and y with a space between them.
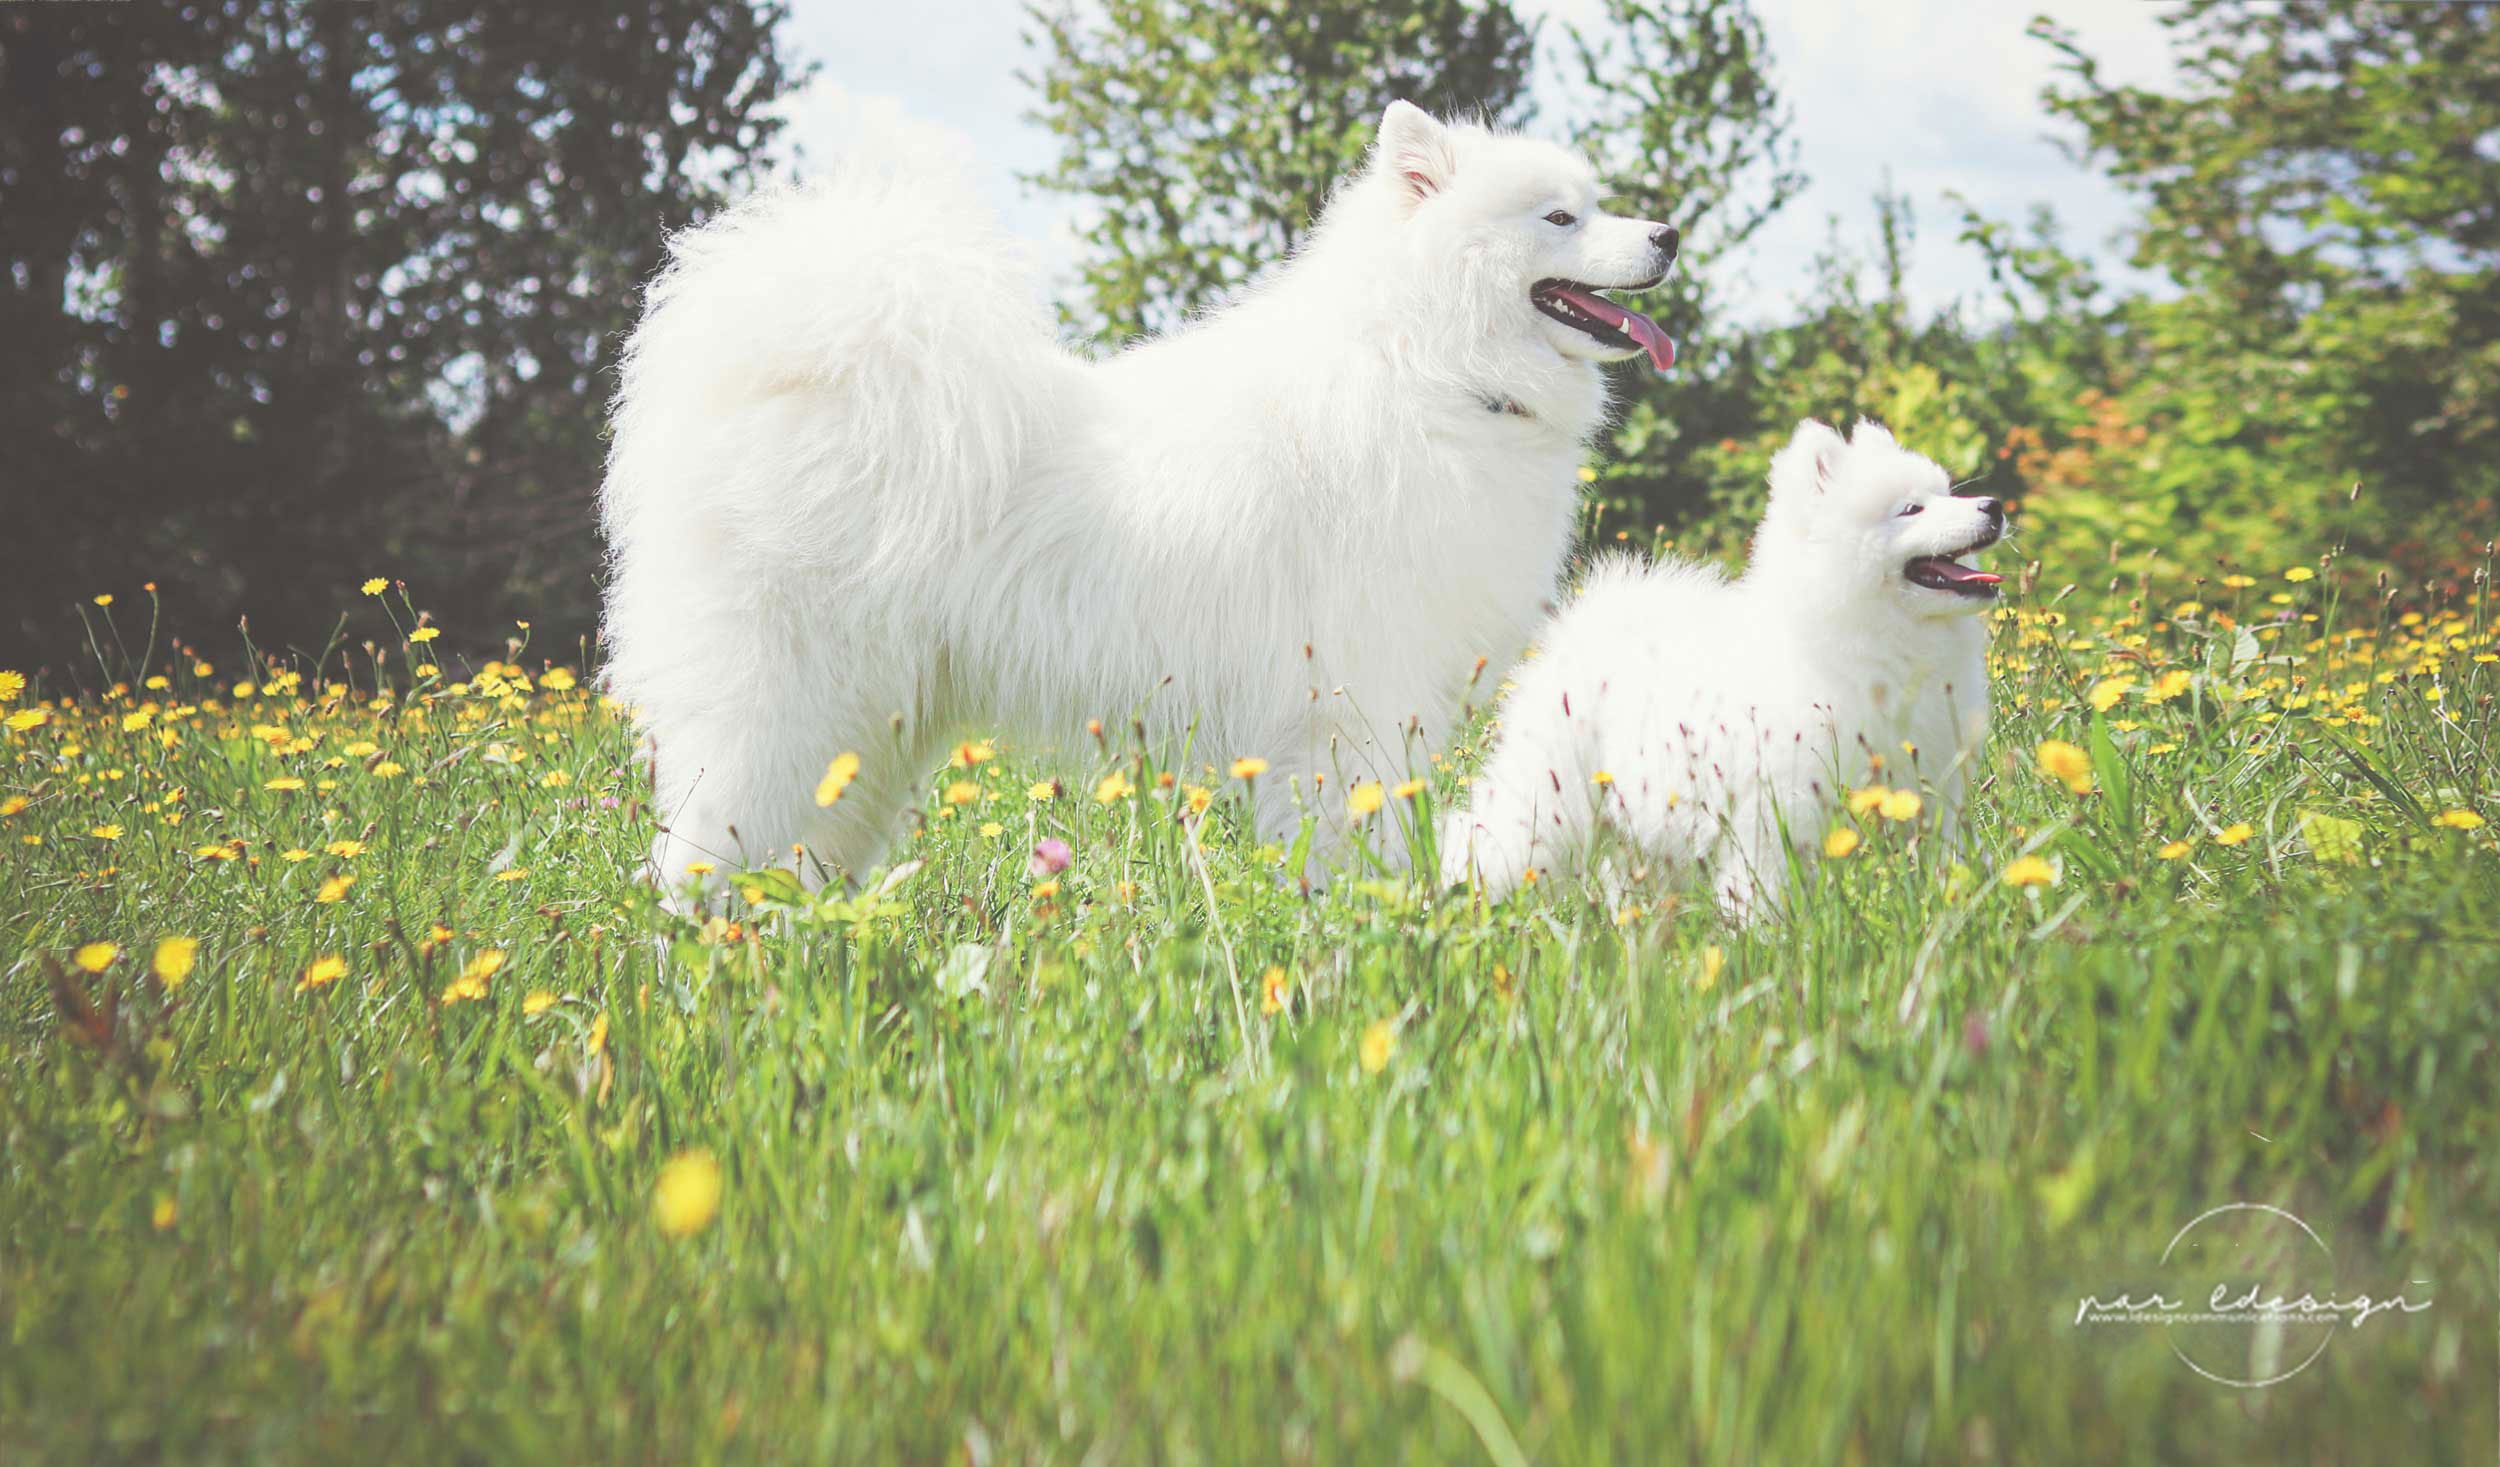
pixel 1908 510
pixel 1561 217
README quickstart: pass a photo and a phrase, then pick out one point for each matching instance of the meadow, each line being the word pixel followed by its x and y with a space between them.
pixel 358 1101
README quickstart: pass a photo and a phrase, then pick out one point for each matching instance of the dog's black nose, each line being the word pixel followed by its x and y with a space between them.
pixel 1993 509
pixel 1665 239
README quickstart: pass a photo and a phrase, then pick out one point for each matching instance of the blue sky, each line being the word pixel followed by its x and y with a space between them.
pixel 1942 93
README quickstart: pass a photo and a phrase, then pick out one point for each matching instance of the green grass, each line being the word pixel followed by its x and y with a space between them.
pixel 1010 1177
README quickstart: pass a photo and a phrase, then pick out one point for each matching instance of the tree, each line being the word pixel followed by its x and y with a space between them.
pixel 300 292
pixel 1676 102
pixel 1207 132
pixel 2322 185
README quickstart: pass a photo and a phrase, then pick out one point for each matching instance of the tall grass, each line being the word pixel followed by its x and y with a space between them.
pixel 1160 1156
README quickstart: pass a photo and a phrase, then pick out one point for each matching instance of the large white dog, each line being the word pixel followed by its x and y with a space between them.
pixel 860 500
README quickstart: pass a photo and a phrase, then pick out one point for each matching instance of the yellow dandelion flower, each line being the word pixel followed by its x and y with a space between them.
pixel 1115 786
pixel 1409 790
pixel 972 754
pixel 95 957
pixel 597 1043
pixel 2174 850
pixel 2239 582
pixel 1901 805
pixel 12 805
pixel 165 1214
pixel 326 969
pixel 838 777
pixel 1275 991
pixel 515 873
pixel 687 1196
pixel 1839 842
pixel 2235 834
pixel 559 680
pixel 2458 820
pixel 1043 791
pixel 295 855
pixel 962 792
pixel 106 831
pixel 346 849
pixel 2068 765
pixel 1601 779
pixel 700 868
pixel 1380 1041
pixel 26 718
pixel 137 719
pixel 472 980
pixel 375 586
pixel 2029 871
pixel 284 783
pixel 174 959
pixel 992 830
pixel 388 770
pixel 1868 799
pixel 1249 766
pixel 2106 693
pixel 104 600
pixel 425 634
pixel 2300 573
pixel 334 889
pixel 216 853
pixel 1364 799
pixel 11 685
pixel 537 1001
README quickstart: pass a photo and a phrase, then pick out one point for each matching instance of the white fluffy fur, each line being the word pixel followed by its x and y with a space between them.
pixel 860 500
pixel 1730 715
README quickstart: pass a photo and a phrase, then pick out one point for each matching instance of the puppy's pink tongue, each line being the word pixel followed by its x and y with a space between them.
pixel 1640 328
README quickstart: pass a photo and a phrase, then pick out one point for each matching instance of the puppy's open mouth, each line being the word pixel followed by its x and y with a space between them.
pixel 1947 573
pixel 1582 309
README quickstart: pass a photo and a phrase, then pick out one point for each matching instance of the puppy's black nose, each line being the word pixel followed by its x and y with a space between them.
pixel 1993 509
pixel 1666 238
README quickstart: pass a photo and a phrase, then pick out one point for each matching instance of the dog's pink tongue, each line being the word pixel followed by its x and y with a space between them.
pixel 1962 575
pixel 1640 328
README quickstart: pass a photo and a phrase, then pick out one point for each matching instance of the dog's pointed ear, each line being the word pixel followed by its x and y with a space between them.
pixel 1414 151
pixel 1810 462
pixel 1870 431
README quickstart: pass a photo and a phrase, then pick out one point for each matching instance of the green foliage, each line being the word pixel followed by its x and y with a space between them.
pixel 287 284
pixel 1207 133
pixel 2322 190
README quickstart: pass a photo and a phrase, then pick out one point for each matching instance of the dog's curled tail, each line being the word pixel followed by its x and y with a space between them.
pixel 837 373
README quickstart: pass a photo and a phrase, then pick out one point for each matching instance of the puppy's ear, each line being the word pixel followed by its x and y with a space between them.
pixel 1809 463
pixel 1414 152
pixel 1868 431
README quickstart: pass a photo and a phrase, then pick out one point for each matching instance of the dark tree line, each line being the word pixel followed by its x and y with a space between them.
pixel 298 293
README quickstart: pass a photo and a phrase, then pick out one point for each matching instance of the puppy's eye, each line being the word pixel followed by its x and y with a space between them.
pixel 1908 510
pixel 1562 218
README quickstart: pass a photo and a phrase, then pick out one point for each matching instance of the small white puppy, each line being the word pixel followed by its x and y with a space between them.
pixel 1714 724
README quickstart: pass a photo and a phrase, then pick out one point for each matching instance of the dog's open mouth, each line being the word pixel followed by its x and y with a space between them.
pixel 1582 309
pixel 1947 573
